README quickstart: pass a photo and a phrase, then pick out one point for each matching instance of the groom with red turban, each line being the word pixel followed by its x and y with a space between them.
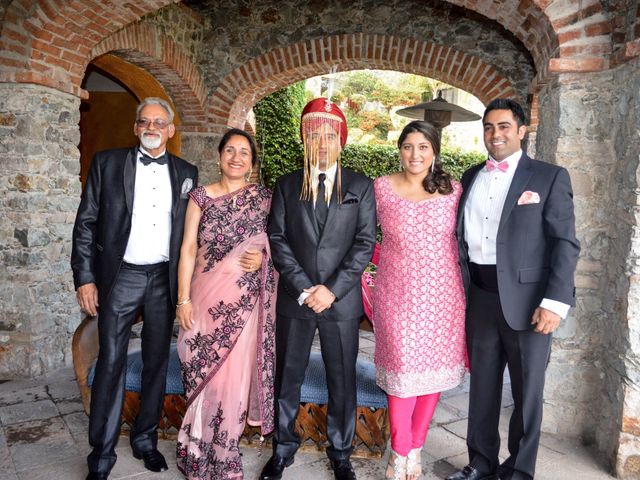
pixel 322 230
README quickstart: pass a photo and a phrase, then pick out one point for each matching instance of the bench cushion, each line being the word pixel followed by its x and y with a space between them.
pixel 314 388
pixel 133 379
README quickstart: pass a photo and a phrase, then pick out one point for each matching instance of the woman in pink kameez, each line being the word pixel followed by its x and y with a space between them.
pixel 226 303
pixel 419 303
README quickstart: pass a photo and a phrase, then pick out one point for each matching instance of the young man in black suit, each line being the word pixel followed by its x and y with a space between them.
pixel 518 253
pixel 322 230
pixel 126 244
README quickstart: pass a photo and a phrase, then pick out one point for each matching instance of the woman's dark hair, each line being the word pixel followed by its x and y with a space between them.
pixel 236 131
pixel 437 180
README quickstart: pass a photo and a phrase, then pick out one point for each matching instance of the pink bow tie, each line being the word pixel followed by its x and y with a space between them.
pixel 502 166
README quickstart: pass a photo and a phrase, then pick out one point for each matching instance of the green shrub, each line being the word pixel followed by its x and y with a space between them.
pixel 278 131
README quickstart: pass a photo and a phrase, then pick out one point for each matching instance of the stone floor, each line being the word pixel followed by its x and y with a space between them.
pixel 43 435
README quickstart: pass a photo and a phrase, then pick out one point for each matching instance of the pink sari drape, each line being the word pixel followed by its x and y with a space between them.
pixel 228 356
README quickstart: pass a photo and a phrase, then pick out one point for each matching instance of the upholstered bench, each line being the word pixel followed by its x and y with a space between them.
pixel 372 424
pixel 372 427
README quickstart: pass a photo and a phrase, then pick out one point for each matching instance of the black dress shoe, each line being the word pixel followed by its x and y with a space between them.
pixel 274 467
pixel 470 473
pixel 343 470
pixel 153 460
pixel 97 476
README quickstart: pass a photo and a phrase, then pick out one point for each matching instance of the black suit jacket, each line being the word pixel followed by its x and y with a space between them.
pixel 536 246
pixel 103 222
pixel 336 258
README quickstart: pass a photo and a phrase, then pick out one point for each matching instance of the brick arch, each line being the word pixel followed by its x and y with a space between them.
pixel 562 36
pixel 239 91
pixel 147 47
pixel 49 43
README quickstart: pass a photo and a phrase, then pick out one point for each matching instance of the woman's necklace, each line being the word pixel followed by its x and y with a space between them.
pixel 227 189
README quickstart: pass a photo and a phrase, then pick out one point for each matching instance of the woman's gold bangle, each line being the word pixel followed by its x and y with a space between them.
pixel 183 302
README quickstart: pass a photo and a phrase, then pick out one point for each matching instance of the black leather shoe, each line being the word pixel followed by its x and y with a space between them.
pixel 274 467
pixel 97 476
pixel 343 470
pixel 153 460
pixel 470 473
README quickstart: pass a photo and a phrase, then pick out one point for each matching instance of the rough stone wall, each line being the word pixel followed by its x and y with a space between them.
pixel 622 351
pixel 202 151
pixel 238 33
pixel 39 192
pixel 589 124
pixel 572 132
pixel 183 26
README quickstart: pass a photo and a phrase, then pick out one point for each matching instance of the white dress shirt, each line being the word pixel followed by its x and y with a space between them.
pixel 482 212
pixel 328 182
pixel 151 217
pixel 328 190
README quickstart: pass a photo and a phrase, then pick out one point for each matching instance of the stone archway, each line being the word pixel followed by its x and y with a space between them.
pixel 145 46
pixel 49 44
pixel 578 62
pixel 45 48
pixel 239 91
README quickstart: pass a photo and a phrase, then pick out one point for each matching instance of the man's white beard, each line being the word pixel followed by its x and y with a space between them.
pixel 150 142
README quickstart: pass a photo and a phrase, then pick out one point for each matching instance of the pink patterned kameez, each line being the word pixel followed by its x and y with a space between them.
pixel 419 302
pixel 228 356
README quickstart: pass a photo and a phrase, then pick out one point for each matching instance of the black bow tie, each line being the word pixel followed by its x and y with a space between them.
pixel 146 159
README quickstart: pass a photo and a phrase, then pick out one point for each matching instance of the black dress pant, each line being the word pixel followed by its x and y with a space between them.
pixel 492 344
pixel 136 287
pixel 339 346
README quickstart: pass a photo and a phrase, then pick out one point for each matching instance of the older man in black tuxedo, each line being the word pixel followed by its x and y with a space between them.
pixel 322 231
pixel 126 243
pixel 518 252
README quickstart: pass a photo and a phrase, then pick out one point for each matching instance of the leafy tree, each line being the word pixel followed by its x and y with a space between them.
pixel 360 82
pixel 376 123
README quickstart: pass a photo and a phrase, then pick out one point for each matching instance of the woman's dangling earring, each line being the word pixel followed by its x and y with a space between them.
pixel 248 176
pixel 219 169
pixel 433 165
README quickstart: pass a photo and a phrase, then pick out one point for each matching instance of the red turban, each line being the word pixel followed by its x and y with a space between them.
pixel 322 110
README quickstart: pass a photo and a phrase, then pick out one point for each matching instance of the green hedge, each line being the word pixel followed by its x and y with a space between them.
pixel 378 160
pixel 278 135
pixel 278 131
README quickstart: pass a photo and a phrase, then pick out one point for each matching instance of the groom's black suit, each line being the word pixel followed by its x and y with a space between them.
pixel 100 237
pixel 306 255
pixel 536 256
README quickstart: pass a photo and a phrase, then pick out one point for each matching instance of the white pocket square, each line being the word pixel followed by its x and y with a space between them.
pixel 187 185
pixel 528 197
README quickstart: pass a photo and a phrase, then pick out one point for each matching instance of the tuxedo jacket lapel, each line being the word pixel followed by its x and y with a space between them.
pixel 520 179
pixel 307 206
pixel 129 177
pixel 175 186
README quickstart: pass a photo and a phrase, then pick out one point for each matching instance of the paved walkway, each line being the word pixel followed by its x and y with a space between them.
pixel 43 435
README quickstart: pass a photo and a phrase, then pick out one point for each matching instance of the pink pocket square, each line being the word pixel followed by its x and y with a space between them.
pixel 528 197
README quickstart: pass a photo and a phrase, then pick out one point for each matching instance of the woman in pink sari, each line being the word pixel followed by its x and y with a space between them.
pixel 226 303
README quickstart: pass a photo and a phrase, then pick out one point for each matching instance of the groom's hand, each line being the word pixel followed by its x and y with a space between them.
pixel 320 298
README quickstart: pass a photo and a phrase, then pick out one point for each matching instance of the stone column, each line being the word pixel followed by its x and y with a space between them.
pixel 201 149
pixel 623 351
pixel 39 195
pixel 589 124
